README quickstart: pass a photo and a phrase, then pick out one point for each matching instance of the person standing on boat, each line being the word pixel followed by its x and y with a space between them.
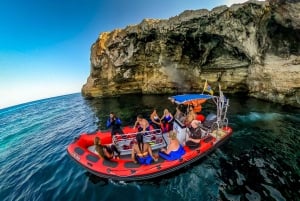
pixel 155 120
pixel 106 151
pixel 167 120
pixel 115 123
pixel 142 152
pixel 141 124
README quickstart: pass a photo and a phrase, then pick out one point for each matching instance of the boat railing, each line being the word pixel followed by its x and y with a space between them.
pixel 215 125
pixel 222 106
pixel 126 141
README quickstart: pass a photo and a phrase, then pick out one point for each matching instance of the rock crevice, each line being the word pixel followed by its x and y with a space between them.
pixel 252 47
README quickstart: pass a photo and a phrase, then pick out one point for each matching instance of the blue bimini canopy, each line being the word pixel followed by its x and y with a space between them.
pixel 189 98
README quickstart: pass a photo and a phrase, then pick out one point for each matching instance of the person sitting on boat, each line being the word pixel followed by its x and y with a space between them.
pixel 179 115
pixel 141 124
pixel 191 115
pixel 174 150
pixel 106 151
pixel 193 140
pixel 167 120
pixel 142 152
pixel 115 123
pixel 155 120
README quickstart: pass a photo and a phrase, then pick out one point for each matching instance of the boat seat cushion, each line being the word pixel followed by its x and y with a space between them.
pixel 131 164
pixel 192 145
pixel 109 163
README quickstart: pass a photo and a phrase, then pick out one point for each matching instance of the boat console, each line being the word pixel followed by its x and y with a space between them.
pixel 154 137
pixel 181 130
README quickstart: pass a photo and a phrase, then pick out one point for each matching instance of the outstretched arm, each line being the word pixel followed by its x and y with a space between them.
pixel 153 120
pixel 193 140
pixel 144 125
pixel 135 124
pixel 171 118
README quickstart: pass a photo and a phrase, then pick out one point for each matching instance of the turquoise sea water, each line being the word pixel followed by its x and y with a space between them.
pixel 259 162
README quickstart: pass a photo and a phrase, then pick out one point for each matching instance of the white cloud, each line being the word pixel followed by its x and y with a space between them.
pixel 230 2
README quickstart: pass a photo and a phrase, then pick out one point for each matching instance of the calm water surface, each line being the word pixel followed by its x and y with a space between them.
pixel 259 162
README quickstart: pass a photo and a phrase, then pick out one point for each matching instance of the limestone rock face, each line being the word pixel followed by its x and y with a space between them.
pixel 252 48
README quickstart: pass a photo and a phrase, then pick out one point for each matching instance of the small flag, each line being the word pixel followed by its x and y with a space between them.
pixel 207 88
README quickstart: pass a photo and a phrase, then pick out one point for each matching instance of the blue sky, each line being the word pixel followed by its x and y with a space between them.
pixel 45 44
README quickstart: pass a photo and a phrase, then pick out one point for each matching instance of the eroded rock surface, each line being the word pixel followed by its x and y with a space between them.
pixel 252 47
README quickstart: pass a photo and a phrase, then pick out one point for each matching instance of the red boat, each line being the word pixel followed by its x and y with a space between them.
pixel 216 131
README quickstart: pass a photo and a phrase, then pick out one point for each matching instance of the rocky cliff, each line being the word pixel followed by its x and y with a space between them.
pixel 252 48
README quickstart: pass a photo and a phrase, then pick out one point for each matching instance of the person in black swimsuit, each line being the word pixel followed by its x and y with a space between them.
pixel 106 151
pixel 155 120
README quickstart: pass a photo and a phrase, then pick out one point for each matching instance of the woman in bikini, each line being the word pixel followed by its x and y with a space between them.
pixel 190 116
pixel 174 150
pixel 167 120
pixel 106 151
pixel 155 120
pixel 142 152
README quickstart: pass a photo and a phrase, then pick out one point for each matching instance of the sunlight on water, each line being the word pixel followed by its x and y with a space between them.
pixel 255 116
pixel 274 193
